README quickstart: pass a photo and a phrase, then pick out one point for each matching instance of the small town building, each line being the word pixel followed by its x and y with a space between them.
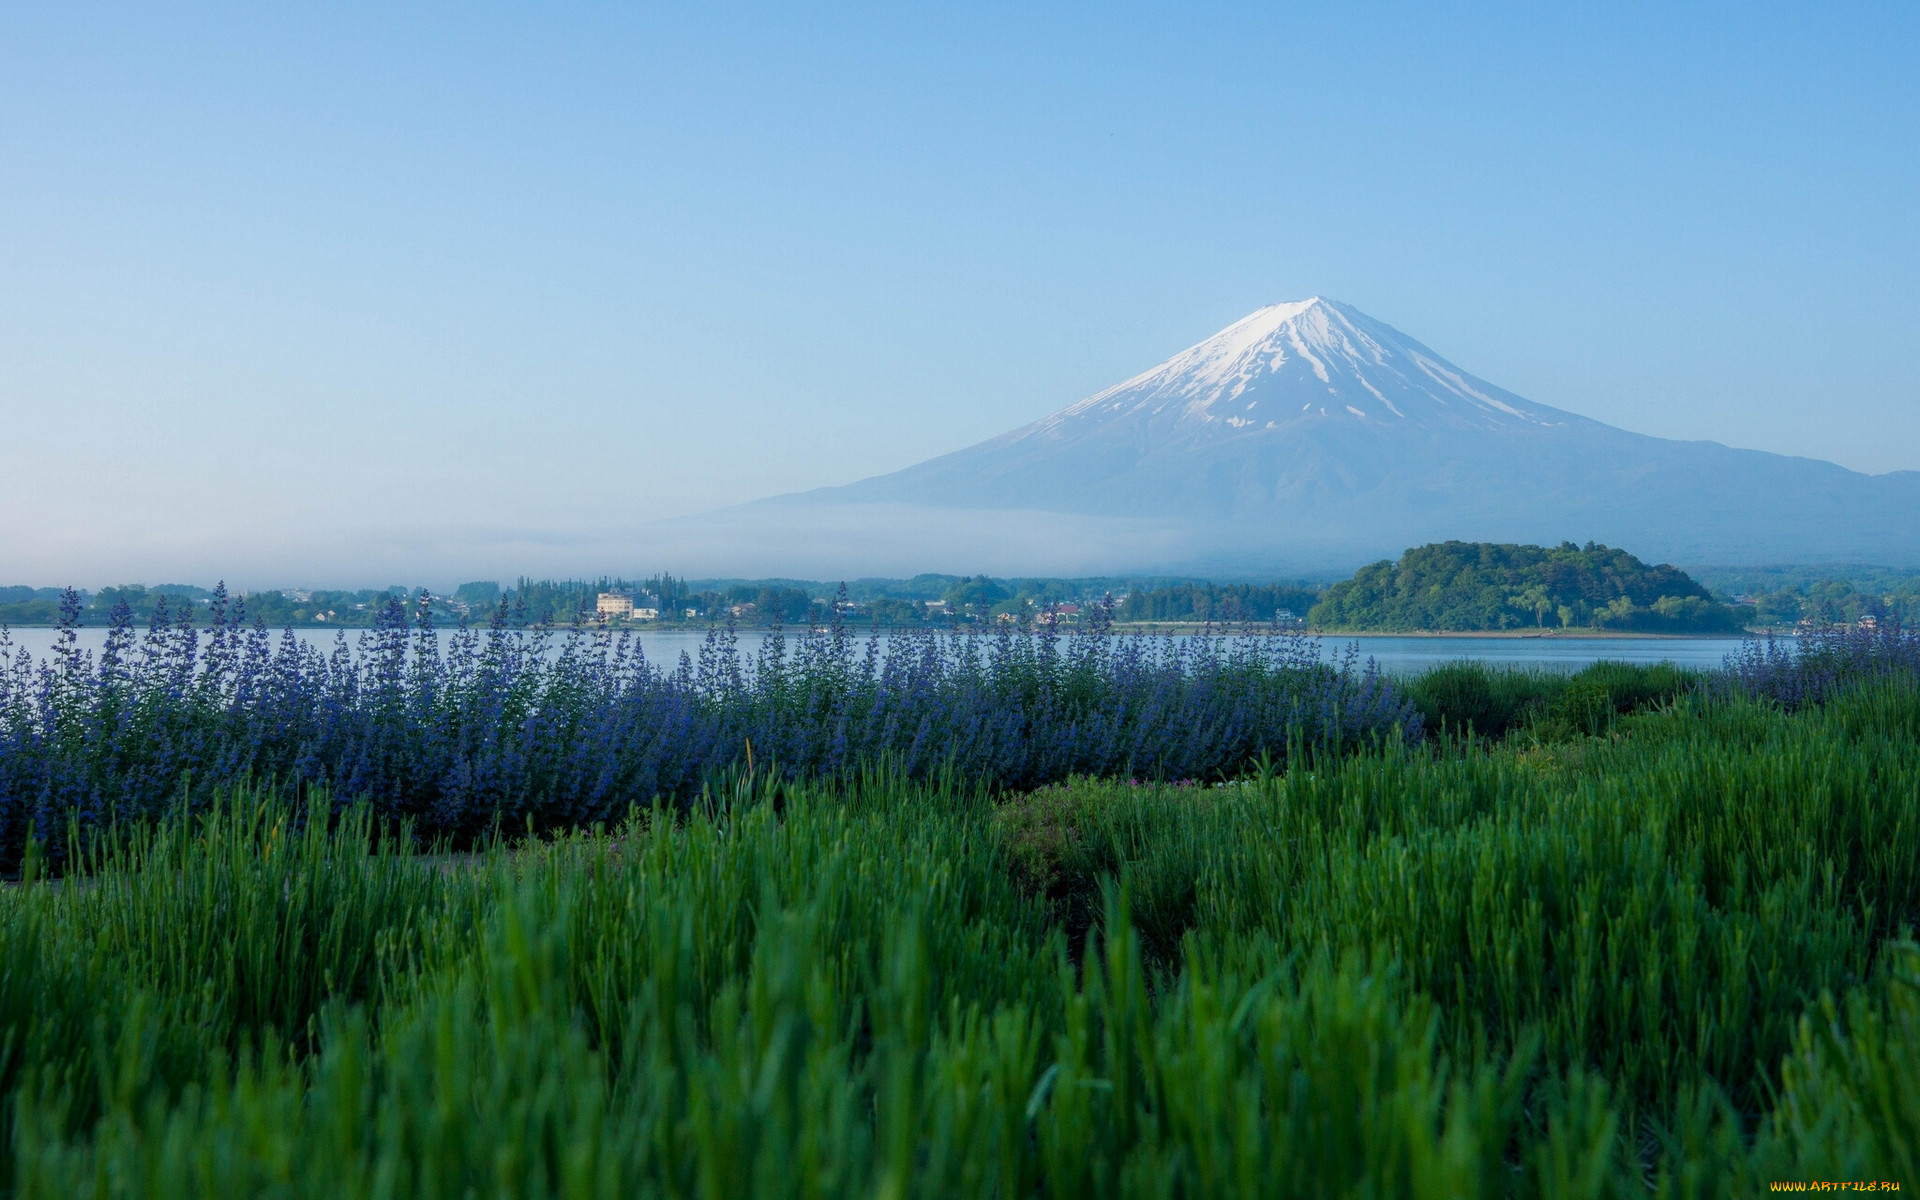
pixel 621 605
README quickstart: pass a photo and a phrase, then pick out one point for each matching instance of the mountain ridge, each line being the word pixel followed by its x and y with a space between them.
pixel 1310 432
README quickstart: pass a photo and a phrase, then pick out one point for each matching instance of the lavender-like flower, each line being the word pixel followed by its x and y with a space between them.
pixel 518 726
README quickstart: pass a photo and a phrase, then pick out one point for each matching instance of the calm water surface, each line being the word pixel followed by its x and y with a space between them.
pixel 1399 655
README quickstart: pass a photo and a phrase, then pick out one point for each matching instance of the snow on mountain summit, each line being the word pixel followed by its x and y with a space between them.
pixel 1307 360
pixel 1310 432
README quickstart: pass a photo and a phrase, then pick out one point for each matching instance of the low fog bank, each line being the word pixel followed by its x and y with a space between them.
pixel 803 538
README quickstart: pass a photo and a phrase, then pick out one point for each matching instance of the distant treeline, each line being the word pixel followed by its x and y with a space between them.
pixel 1784 596
pixel 1452 586
pixel 41 606
pixel 921 600
pixel 1219 603
pixel 29 606
pixel 1474 586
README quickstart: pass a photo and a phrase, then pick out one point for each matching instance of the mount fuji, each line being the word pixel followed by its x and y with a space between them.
pixel 1309 435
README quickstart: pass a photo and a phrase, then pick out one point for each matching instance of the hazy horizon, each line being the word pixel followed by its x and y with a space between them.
pixel 334 297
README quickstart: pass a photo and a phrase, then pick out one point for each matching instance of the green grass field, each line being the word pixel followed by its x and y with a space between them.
pixel 1619 941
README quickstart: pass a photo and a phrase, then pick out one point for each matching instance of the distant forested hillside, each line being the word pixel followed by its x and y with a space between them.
pixel 1468 586
pixel 29 605
pixel 1217 602
pixel 1831 594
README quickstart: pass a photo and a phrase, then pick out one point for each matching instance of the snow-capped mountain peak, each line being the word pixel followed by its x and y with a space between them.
pixel 1307 360
pixel 1311 432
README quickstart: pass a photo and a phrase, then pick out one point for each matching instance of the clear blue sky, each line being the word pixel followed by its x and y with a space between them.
pixel 304 295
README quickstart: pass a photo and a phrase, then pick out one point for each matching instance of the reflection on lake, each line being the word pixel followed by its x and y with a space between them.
pixel 1398 655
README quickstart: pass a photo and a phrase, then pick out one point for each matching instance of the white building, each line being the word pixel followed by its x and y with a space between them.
pixel 614 604
pixel 621 604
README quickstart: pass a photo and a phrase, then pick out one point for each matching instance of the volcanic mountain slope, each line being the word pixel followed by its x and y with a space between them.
pixel 1309 431
pixel 1293 405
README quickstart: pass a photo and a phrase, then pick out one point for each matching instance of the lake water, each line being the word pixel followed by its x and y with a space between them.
pixel 1398 655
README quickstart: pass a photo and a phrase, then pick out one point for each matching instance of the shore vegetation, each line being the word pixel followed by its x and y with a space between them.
pixel 1627 932
pixel 1296 930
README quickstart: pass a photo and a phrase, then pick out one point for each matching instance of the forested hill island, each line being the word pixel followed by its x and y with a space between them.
pixel 1449 587
pixel 1482 586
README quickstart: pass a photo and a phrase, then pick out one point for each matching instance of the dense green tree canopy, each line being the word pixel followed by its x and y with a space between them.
pixel 1218 602
pixel 1469 586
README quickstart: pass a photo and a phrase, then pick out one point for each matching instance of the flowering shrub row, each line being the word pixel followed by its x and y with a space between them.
pixel 1817 663
pixel 533 726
